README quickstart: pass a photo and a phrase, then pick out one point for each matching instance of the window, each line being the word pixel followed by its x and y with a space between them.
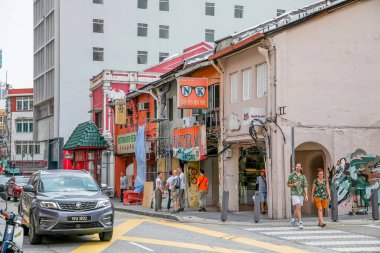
pixel 280 12
pixel 213 97
pixel 18 149
pixel 210 9
pixel 164 31
pixel 142 30
pixel 27 148
pixel 97 1
pixel 239 11
pixel 164 5
pixel 261 74
pixel 234 88
pixel 163 56
pixel 24 126
pixel 97 54
pixel 98 25
pixel 142 4
pixel 170 109
pixel 247 84
pixel 24 103
pixel 209 35
pixel 142 57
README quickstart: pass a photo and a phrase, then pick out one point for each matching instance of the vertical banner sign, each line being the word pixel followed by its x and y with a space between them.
pixel 192 93
pixel 121 112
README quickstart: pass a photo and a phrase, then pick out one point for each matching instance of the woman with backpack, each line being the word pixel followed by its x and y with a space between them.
pixel 321 195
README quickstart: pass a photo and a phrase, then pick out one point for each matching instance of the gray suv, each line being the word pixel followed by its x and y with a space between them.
pixel 65 202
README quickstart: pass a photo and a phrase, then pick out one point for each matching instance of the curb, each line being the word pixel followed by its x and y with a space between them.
pixel 156 215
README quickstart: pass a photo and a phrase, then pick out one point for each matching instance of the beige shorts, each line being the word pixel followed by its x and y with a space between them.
pixel 175 196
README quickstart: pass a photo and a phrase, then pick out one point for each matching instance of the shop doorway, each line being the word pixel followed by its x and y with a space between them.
pixel 210 165
pixel 251 161
pixel 312 156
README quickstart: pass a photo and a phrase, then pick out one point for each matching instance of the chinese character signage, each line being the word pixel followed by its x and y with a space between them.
pixel 192 93
pixel 121 112
pixel 253 113
pixel 126 143
pixel 190 143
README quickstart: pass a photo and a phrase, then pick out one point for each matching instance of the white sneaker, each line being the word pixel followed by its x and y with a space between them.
pixel 294 222
pixel 300 226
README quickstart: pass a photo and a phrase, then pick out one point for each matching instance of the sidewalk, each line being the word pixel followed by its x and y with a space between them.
pixel 212 216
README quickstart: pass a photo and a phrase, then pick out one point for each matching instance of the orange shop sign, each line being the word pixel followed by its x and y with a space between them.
pixel 192 93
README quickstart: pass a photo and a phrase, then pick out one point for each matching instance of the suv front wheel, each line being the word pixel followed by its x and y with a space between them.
pixel 106 236
pixel 33 237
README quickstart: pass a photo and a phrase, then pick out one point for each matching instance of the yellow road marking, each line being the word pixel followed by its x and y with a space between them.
pixel 118 232
pixel 182 245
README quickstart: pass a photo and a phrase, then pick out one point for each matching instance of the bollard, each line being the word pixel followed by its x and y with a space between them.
pixel 375 204
pixel 334 204
pixel 256 210
pixel 224 211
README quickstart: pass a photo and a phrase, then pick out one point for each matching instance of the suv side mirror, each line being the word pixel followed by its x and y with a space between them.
pixel 29 188
pixel 2 188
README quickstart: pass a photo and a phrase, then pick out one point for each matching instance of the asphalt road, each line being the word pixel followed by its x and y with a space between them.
pixel 133 233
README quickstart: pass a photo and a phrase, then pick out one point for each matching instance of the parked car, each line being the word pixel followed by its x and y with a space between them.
pixel 3 180
pixel 14 186
pixel 62 202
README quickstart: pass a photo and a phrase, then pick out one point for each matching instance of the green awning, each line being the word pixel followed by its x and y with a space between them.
pixel 86 135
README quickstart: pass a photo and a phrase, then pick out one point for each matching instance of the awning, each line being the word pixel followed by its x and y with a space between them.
pixel 95 110
pixel 243 139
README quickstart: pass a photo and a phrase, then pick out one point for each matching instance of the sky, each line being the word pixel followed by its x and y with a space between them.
pixel 16 41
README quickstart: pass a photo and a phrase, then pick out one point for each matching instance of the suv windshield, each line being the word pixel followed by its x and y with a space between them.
pixel 22 180
pixel 66 183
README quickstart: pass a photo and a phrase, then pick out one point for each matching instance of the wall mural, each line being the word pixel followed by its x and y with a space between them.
pixel 356 175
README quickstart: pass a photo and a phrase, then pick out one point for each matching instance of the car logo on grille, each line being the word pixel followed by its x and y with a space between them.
pixel 78 205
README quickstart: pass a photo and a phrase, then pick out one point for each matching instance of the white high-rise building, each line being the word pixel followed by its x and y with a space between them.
pixel 76 39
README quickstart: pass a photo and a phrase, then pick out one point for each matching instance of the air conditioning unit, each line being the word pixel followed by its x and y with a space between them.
pixel 197 112
pixel 142 106
pixel 188 121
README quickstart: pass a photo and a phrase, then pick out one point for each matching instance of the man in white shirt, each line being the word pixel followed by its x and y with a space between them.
pixel 181 190
pixel 158 192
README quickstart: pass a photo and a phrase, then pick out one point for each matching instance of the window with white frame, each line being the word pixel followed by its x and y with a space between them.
pixel 164 31
pixel 142 57
pixel 234 88
pixel 210 9
pixel 209 35
pixel 163 56
pixel 24 126
pixel 164 5
pixel 261 79
pixel 27 148
pixel 98 25
pixel 142 30
pixel 247 84
pixel 24 103
pixel 142 4
pixel 97 53
pixel 239 9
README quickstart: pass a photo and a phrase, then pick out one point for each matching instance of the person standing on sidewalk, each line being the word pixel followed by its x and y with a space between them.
pixel 158 192
pixel 123 185
pixel 175 187
pixel 320 193
pixel 169 187
pixel 181 190
pixel 298 190
pixel 261 183
pixel 202 183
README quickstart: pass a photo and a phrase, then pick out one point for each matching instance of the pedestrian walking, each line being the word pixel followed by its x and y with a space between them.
pixel 202 183
pixel 169 188
pixel 175 187
pixel 261 185
pixel 123 185
pixel 298 190
pixel 158 192
pixel 320 192
pixel 181 190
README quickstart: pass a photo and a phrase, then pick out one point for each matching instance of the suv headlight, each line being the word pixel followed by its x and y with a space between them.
pixel 103 203
pixel 48 204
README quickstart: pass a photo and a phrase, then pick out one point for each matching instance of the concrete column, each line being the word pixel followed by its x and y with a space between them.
pixel 231 179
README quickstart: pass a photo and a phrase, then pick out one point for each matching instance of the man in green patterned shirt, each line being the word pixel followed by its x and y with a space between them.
pixel 298 190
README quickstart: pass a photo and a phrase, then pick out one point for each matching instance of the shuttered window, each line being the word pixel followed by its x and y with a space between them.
pixel 234 88
pixel 261 74
pixel 247 84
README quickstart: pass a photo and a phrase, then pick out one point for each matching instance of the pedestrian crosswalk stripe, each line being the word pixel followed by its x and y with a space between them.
pixel 324 237
pixel 277 228
pixel 355 242
pixel 299 232
pixel 361 249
